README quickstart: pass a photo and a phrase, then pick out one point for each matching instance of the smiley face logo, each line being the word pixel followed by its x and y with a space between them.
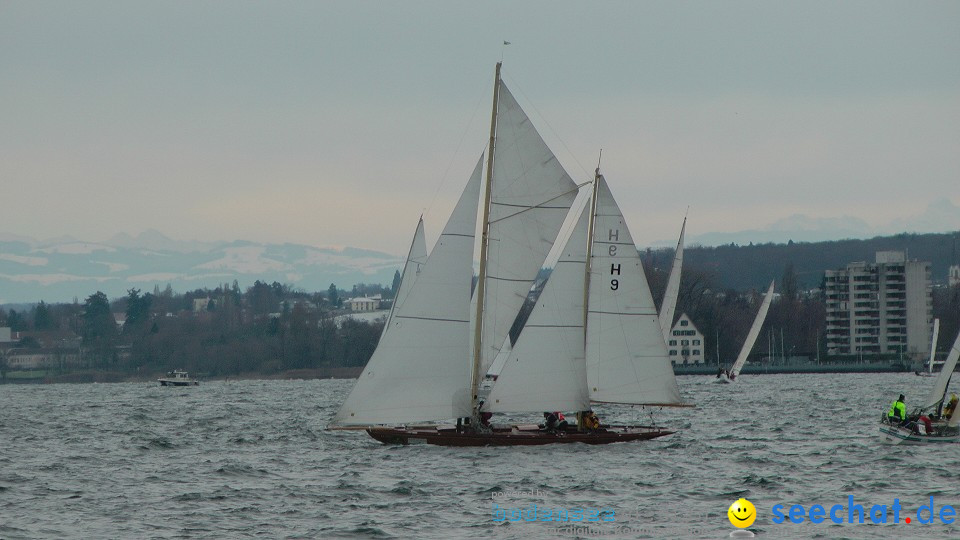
pixel 742 513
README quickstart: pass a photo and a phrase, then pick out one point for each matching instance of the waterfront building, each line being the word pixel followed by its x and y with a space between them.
pixel 881 308
pixel 685 345
pixel 363 304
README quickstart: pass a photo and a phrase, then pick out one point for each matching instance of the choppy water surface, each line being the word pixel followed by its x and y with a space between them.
pixel 253 459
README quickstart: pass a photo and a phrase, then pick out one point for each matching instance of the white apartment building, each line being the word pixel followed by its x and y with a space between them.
pixel 880 308
pixel 685 345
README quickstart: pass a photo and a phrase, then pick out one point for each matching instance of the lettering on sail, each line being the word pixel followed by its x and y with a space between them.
pixel 614 235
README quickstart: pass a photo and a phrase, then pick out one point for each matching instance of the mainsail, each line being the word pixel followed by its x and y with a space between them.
pixel 754 332
pixel 943 379
pixel 626 355
pixel 530 196
pixel 545 370
pixel 672 292
pixel 420 369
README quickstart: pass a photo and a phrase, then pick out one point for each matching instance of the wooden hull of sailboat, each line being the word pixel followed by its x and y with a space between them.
pixel 904 435
pixel 513 436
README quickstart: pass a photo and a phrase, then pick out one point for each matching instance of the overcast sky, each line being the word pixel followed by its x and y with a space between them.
pixel 338 123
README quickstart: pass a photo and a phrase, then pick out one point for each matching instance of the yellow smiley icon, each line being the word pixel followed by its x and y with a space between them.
pixel 742 513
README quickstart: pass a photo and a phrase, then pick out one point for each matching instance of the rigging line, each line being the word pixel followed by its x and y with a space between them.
pixel 446 173
pixel 563 143
pixel 544 203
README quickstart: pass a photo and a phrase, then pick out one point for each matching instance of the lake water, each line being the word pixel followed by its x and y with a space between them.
pixel 252 459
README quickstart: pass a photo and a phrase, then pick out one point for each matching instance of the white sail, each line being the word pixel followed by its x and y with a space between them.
pixel 754 332
pixel 416 258
pixel 421 368
pixel 545 370
pixel 501 358
pixel 626 355
pixel 943 379
pixel 672 292
pixel 933 344
pixel 530 196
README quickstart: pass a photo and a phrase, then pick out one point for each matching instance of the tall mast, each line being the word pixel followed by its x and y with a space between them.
pixel 482 272
pixel 590 224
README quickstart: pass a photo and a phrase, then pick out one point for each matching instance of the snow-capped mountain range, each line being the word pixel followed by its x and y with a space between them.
pixel 62 269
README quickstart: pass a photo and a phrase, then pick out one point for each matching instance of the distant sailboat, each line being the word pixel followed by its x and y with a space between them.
pixel 734 372
pixel 593 336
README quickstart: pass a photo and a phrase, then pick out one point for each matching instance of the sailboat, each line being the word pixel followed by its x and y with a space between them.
pixel 731 375
pixel 930 423
pixel 933 351
pixel 593 336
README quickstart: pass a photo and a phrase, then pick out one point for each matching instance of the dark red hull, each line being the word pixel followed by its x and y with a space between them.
pixel 512 436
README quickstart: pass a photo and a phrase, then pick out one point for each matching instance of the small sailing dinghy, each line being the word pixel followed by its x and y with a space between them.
pixel 937 421
pixel 593 335
pixel 731 375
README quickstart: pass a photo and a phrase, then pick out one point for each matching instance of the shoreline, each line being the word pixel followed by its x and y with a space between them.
pixel 93 376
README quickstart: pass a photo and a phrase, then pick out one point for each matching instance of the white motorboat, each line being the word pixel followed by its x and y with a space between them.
pixel 178 377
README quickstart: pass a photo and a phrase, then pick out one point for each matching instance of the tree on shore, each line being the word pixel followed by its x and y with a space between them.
pixel 333 295
pixel 99 328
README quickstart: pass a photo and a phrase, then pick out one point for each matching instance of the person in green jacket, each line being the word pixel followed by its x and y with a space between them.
pixel 898 411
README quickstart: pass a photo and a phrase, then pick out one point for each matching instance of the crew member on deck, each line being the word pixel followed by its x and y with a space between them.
pixel 549 422
pixel 561 421
pixel 589 420
pixel 951 407
pixel 484 416
pixel 898 411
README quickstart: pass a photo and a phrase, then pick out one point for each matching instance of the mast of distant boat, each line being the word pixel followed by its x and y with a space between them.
pixel 484 241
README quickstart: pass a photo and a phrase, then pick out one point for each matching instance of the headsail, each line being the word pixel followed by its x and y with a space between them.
pixel 416 258
pixel 754 332
pixel 545 370
pixel 420 370
pixel 530 196
pixel 672 292
pixel 626 356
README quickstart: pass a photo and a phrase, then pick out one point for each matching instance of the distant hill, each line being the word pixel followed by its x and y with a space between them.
pixel 754 266
pixel 62 269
